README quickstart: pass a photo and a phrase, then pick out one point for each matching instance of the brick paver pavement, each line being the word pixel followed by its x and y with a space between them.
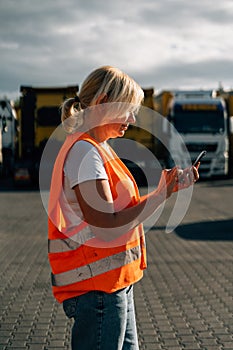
pixel 183 302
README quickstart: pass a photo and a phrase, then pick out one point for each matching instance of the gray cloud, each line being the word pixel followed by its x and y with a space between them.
pixel 206 75
pixel 164 43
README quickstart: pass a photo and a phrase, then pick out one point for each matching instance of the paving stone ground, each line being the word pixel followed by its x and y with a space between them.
pixel 184 301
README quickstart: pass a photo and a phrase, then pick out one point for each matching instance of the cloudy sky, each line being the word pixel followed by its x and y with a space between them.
pixel 161 43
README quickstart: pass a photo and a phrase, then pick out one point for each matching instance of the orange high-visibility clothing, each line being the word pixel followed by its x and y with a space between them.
pixel 80 262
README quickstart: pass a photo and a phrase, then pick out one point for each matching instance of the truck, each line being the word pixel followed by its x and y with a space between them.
pixel 38 117
pixel 174 126
pixel 8 137
pixel 203 120
pixel 227 95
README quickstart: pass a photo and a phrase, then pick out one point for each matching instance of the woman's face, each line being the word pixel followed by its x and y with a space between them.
pixel 118 129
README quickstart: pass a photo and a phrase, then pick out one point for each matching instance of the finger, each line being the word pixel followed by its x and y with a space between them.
pixel 185 181
pixel 187 178
pixel 171 176
pixel 196 173
pixel 172 170
pixel 175 172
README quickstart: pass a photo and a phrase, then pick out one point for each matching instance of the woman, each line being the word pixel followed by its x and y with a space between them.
pixel 96 240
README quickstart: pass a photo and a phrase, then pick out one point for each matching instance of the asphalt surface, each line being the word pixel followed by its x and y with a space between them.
pixel 183 302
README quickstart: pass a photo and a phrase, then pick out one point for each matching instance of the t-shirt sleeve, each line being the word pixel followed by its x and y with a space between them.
pixel 84 163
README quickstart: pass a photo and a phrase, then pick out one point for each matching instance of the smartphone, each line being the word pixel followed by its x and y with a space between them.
pixel 201 155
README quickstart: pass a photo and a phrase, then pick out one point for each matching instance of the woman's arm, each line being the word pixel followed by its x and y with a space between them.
pixel 96 202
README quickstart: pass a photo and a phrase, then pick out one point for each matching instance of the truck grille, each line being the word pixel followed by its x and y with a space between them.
pixel 198 147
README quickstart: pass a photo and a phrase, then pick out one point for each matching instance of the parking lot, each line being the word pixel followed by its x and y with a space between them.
pixel 183 302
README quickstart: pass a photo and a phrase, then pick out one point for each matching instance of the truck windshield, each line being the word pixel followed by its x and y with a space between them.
pixel 198 121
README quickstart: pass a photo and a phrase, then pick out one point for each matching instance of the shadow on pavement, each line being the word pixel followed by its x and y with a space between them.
pixel 207 231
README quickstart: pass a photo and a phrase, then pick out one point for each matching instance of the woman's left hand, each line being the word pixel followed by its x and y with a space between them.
pixel 187 177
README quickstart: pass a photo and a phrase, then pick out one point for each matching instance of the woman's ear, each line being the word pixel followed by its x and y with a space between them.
pixel 103 98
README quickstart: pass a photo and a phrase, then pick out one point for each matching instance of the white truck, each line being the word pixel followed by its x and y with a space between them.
pixel 8 131
pixel 201 119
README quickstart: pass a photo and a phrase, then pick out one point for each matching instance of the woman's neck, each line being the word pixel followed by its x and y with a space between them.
pixel 98 134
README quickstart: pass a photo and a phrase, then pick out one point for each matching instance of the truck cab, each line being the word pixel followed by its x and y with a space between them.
pixel 200 117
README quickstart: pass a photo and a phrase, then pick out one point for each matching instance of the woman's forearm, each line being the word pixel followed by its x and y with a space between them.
pixel 109 226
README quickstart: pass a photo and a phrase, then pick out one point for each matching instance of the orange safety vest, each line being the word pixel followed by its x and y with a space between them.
pixel 80 262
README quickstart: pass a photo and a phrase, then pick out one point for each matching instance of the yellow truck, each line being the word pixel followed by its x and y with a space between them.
pixel 38 117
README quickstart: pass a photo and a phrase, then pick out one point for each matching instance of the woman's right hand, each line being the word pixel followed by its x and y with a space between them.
pixel 168 182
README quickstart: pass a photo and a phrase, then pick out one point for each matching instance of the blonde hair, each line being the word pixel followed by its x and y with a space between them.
pixel 108 81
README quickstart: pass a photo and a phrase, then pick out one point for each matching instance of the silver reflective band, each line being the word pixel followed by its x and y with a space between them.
pixel 67 244
pixel 96 268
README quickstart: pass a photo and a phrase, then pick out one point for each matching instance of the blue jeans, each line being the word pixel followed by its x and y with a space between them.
pixel 103 321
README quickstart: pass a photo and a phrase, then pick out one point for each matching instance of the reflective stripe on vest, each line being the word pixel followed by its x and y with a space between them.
pixel 67 244
pixel 96 268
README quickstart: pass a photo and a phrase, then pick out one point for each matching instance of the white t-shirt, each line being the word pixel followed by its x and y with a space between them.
pixel 83 163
